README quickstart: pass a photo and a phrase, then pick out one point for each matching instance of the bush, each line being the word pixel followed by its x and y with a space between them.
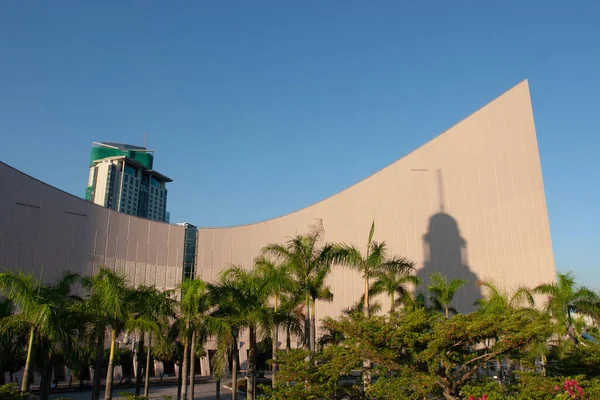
pixel 131 396
pixel 11 392
pixel 488 387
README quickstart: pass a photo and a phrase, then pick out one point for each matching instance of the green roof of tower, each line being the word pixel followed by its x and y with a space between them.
pixel 110 149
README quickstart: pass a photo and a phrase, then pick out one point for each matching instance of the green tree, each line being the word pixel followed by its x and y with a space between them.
pixel 95 324
pixel 108 294
pixel 224 324
pixel 393 279
pixel 248 293
pixel 310 263
pixel 357 309
pixel 438 353
pixel 279 283
pixel 290 317
pixel 441 292
pixel 149 316
pixel 373 263
pixel 194 302
pixel 569 359
pixel 323 375
pixel 496 300
pixel 47 313
pixel 566 297
pixel 12 342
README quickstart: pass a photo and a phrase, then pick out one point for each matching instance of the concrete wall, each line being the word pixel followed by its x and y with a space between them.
pixel 46 231
pixel 470 203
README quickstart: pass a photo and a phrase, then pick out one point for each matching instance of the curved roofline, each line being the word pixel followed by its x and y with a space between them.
pixel 89 203
pixel 523 82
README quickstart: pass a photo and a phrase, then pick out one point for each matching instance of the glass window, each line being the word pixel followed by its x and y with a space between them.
pixel 129 170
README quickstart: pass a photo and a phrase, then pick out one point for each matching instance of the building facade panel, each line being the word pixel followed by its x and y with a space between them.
pixel 46 231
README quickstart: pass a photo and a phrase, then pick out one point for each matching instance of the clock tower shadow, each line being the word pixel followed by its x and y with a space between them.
pixel 445 251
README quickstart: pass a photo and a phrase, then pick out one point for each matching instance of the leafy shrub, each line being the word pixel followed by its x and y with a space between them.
pixel 131 396
pixel 489 388
pixel 11 392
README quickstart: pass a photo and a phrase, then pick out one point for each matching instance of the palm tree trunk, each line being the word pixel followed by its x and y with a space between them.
pixel 140 361
pixel 186 361
pixel 25 382
pixel 45 378
pixel 447 312
pixel 251 373
pixel 192 365
pixel 393 305
pixel 147 372
pixel 179 385
pixel 366 310
pixel 274 351
pixel 366 372
pixel 307 330
pixel 98 366
pixel 288 339
pixel 313 328
pixel 543 364
pixel 109 371
pixel 234 367
pixel 217 389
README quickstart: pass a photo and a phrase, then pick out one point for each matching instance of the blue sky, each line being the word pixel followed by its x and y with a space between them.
pixel 258 108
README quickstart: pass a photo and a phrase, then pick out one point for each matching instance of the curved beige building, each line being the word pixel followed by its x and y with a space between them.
pixel 470 203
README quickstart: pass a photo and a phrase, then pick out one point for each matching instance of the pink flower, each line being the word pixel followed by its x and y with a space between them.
pixel 556 388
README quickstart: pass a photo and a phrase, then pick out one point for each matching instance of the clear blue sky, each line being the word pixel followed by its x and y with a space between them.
pixel 258 108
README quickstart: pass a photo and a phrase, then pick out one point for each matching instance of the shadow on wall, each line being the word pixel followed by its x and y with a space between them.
pixel 446 252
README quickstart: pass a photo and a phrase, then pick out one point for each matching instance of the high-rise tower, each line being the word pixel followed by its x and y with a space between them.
pixel 121 178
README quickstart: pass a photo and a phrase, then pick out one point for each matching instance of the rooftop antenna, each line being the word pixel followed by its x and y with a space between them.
pixel 441 189
pixel 144 139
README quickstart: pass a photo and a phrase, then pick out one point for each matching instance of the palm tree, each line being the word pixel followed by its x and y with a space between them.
pixel 368 265
pixel 47 313
pixel 95 324
pixel 278 283
pixel 12 342
pixel 371 264
pixel 318 290
pixel 290 317
pixel 392 279
pixel 224 324
pixel 564 298
pixel 498 301
pixel 108 291
pixel 357 309
pixel 151 310
pixel 192 305
pixel 218 363
pixel 310 264
pixel 249 293
pixel 442 292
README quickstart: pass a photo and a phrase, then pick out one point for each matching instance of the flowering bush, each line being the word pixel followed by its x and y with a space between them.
pixel 571 390
pixel 484 397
